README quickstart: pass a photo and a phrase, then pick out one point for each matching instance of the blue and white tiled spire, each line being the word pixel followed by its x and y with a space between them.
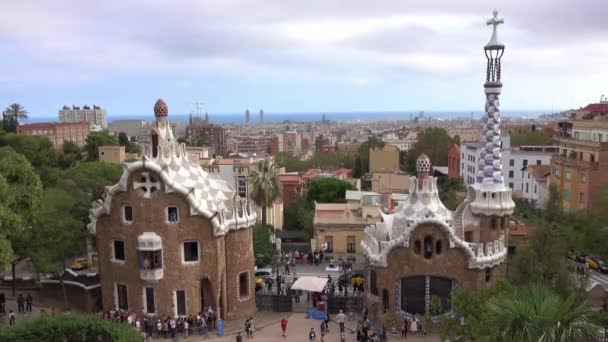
pixel 490 166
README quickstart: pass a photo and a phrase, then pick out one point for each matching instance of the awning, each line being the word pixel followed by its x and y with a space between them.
pixel 313 284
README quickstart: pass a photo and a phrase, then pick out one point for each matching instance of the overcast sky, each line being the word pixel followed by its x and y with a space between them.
pixel 297 56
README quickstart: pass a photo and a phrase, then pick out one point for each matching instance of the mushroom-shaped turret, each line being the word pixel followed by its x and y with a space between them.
pixel 160 109
pixel 423 168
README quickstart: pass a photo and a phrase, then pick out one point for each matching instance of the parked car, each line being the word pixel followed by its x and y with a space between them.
pixel 352 277
pixel 80 264
pixel 576 256
pixel 264 273
pixel 597 264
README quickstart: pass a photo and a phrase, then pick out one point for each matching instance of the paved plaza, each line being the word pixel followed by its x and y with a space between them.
pixel 298 327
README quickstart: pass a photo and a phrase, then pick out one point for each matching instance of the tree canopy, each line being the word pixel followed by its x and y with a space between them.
pixel 92 177
pixel 264 250
pixel 434 142
pixel 328 190
pixel 372 142
pixel 96 139
pixel 532 138
pixel 20 198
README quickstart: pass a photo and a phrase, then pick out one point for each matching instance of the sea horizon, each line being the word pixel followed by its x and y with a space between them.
pixel 318 116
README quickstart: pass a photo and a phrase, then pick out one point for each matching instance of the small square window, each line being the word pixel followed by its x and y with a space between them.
pixel 510 174
pixel 511 185
pixel 538 162
pixel 119 250
pixel 172 215
pixel 128 213
pixel 568 176
pixel 191 251
pixel 511 162
pixel 581 197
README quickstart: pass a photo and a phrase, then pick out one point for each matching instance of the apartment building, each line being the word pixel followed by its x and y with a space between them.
pixel 580 169
pixel 96 116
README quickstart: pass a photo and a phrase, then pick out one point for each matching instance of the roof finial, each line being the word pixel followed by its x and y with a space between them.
pixel 495 21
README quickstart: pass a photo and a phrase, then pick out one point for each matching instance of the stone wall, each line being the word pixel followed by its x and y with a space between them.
pixel 449 263
pixel 149 215
pixel 239 259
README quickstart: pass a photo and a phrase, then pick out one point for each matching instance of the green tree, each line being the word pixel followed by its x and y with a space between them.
pixel 12 115
pixel 328 190
pixel 358 169
pixel 38 150
pixel 96 139
pixel 124 140
pixel 468 305
pixel 435 143
pixel 92 177
pixel 264 250
pixel 70 156
pixel 532 138
pixel 20 198
pixel 553 209
pixel 542 261
pixel 372 142
pixel 535 313
pixel 265 186
pixel 57 234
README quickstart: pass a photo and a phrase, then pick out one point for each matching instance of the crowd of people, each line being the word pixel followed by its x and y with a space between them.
pixel 166 326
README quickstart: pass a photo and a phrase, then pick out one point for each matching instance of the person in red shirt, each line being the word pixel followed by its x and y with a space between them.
pixel 284 326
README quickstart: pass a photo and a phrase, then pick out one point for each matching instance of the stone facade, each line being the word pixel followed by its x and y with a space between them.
pixel 146 229
pixel 421 252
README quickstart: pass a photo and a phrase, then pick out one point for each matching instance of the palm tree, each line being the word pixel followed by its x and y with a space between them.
pixel 16 112
pixel 535 313
pixel 264 184
pixel 11 116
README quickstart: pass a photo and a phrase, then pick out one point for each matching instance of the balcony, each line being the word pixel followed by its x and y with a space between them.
pixel 150 255
pixel 151 274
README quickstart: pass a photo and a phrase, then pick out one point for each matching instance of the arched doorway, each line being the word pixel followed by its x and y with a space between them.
pixel 385 300
pixel 419 293
pixel 207 298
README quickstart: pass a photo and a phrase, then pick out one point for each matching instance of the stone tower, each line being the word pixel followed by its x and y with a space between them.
pixel 489 201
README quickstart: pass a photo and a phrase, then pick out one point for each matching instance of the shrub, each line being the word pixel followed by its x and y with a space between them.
pixel 70 328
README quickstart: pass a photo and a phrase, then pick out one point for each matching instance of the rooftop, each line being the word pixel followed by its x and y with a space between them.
pixel 540 172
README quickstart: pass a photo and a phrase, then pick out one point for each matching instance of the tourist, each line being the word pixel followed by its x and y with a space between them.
pixel 239 337
pixel 323 330
pixel 343 336
pixel 2 302
pixel 28 302
pixel 249 327
pixel 287 267
pixel 341 319
pixel 186 328
pixel 11 318
pixel 312 336
pixel 214 317
pixel 326 321
pixel 284 326
pixel 413 327
pixel 404 329
pixel 20 303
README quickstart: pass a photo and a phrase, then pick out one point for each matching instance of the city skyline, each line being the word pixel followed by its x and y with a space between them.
pixel 331 56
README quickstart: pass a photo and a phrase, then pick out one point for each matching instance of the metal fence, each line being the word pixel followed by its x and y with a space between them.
pixel 265 301
pixel 349 303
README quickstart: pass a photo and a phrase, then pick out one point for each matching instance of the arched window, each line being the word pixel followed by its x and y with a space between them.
pixel 417 247
pixel 438 246
pixel 428 247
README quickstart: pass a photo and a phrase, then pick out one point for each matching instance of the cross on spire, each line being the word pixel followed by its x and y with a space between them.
pixel 495 21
